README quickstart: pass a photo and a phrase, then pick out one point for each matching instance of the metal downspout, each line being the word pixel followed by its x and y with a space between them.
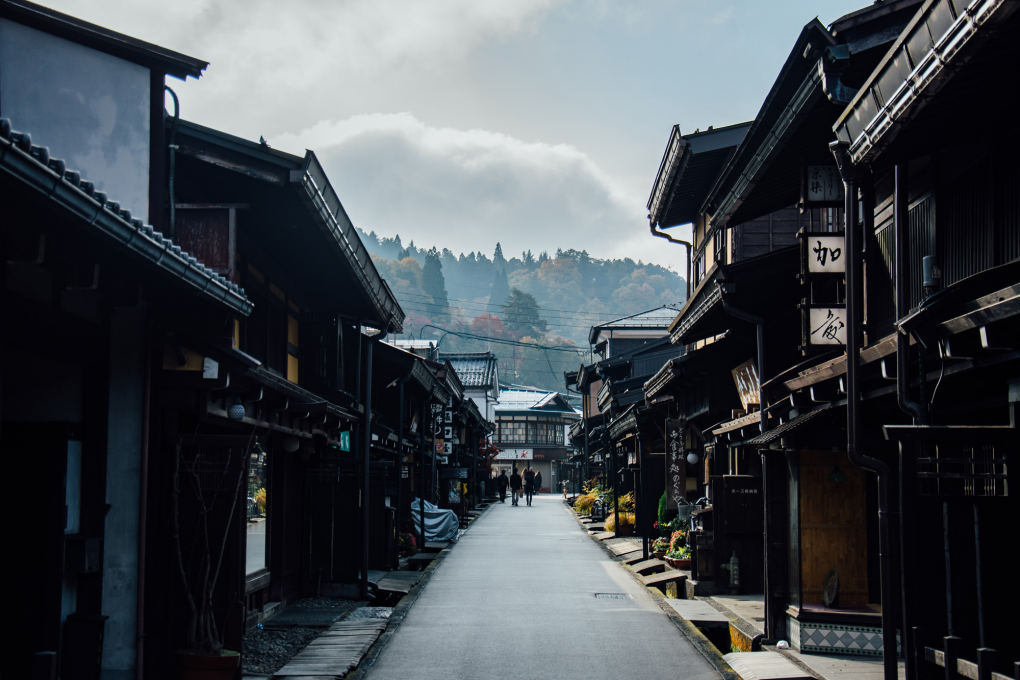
pixel 912 407
pixel 662 234
pixel 840 150
pixel 425 413
pixel 763 426
pixel 400 448
pixel 901 223
pixel 367 462
pixel 143 501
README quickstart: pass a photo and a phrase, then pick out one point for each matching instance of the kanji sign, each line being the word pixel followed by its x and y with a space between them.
pixel 746 377
pixel 676 462
pixel 516 454
pixel 827 326
pixel 825 254
pixel 824 184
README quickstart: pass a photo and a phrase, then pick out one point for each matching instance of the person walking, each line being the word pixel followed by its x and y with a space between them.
pixel 538 482
pixel 503 482
pixel 529 484
pixel 515 487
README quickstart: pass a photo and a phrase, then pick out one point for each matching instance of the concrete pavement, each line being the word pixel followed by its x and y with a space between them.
pixel 516 599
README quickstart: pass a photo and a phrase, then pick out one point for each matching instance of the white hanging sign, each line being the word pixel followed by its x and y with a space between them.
pixel 828 326
pixel 515 454
pixel 826 254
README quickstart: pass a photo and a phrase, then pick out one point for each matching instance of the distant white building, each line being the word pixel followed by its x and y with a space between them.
pixel 479 373
pixel 531 431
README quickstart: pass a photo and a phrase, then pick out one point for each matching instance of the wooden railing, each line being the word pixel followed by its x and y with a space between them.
pixel 954 667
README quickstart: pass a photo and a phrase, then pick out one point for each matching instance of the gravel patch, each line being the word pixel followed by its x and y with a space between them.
pixel 267 651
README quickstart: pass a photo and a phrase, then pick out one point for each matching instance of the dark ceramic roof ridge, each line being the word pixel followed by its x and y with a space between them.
pixel 318 195
pixel 68 187
pixel 751 143
pixel 98 37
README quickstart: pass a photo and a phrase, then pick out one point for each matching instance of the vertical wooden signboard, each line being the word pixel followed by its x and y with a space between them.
pixel 676 462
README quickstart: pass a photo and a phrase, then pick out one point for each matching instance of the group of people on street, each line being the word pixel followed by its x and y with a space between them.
pixel 517 483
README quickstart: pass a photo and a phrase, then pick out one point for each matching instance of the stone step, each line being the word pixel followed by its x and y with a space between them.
pixel 662 578
pixel 647 567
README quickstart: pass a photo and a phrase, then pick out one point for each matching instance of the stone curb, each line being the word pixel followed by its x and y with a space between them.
pixel 397 616
pixel 690 631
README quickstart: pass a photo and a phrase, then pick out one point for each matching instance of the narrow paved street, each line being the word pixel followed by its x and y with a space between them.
pixel 516 599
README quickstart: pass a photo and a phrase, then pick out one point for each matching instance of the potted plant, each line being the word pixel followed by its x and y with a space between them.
pixel 200 563
pixel 679 555
pixel 660 547
pixel 408 546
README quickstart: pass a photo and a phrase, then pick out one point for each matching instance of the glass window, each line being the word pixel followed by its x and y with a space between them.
pixel 258 483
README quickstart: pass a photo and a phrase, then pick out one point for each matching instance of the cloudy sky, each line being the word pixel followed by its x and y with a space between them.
pixel 459 123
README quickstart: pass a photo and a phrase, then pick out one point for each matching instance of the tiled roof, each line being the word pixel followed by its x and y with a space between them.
pixel 660 317
pixel 526 400
pixel 475 369
pixel 33 166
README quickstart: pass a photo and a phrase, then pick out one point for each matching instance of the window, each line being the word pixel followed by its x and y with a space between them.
pixel 549 433
pixel 699 268
pixel 258 468
pixel 719 246
pixel 513 432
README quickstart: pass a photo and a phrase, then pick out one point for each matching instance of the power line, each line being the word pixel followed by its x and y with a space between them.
pixel 552 324
pixel 610 316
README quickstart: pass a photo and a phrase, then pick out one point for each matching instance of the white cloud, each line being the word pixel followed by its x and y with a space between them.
pixel 467 189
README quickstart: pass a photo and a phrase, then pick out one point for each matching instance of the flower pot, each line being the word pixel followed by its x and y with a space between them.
pixel 682 564
pixel 197 667
pixel 659 555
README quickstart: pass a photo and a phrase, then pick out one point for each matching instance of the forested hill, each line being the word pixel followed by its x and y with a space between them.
pixel 537 309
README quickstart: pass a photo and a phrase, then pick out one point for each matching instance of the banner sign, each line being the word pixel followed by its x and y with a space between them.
pixel 676 462
pixel 746 377
pixel 515 454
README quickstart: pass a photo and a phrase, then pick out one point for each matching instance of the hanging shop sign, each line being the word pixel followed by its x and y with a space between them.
pixel 827 325
pixel 345 441
pixel 822 185
pixel 825 253
pixel 676 461
pixel 746 378
pixel 822 271
pixel 515 454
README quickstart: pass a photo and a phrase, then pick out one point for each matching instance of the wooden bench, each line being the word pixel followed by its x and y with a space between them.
pixel 764 666
pixel 436 546
pixel 664 577
pixel 647 567
pixel 700 613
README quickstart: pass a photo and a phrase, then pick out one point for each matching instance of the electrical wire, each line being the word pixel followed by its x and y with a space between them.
pixel 484 305
pixel 941 374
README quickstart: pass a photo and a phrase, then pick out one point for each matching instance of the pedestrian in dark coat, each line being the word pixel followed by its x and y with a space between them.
pixel 538 482
pixel 529 484
pixel 515 487
pixel 503 482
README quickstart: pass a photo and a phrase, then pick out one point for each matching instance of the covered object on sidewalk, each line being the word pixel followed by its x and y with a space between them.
pixel 440 525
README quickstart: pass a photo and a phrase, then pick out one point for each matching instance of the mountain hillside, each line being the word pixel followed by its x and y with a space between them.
pixel 534 312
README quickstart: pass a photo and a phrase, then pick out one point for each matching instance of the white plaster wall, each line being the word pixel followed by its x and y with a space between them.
pixel 91 109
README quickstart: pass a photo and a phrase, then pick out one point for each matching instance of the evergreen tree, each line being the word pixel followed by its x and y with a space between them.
pixel 522 315
pixel 498 292
pixel 435 285
pixel 497 257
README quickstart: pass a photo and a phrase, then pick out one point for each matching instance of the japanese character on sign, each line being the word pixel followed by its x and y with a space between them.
pixel 828 326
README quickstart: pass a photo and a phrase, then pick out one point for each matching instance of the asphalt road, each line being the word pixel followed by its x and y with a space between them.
pixel 515 598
